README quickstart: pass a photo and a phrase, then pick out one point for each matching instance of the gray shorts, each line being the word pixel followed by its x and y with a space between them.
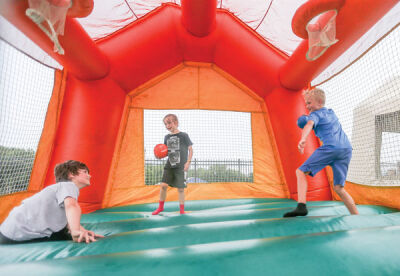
pixel 175 177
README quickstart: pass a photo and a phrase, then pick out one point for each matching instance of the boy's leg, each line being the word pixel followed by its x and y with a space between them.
pixel 340 167
pixel 163 195
pixel 301 186
pixel 181 192
pixel 5 240
pixel 320 158
pixel 180 182
pixel 347 199
pixel 301 209
pixel 163 191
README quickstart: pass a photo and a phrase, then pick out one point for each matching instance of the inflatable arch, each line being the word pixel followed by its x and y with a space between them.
pixel 213 61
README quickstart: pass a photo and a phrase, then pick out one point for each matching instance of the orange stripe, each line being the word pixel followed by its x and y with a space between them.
pixel 372 195
pixel 46 143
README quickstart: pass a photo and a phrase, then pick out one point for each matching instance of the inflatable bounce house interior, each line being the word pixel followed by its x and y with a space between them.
pixel 92 81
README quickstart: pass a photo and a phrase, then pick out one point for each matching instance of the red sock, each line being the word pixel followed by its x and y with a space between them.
pixel 181 208
pixel 159 209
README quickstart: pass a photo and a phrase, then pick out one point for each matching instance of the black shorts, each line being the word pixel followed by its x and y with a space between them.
pixel 5 240
pixel 61 235
pixel 174 177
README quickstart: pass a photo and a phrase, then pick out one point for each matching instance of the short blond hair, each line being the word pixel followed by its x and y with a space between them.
pixel 317 93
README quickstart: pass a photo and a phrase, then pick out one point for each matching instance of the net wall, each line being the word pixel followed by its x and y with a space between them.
pixel 222 145
pixel 366 98
pixel 25 91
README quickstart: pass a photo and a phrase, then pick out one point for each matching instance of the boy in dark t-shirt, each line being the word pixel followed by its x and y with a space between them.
pixel 180 154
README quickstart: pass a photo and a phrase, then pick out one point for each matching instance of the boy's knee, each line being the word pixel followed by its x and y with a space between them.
pixel 338 189
pixel 300 172
pixel 181 190
pixel 164 186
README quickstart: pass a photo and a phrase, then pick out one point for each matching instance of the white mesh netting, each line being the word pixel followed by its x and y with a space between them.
pixel 366 98
pixel 25 91
pixel 222 145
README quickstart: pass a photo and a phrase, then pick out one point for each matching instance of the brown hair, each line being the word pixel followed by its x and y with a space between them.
pixel 317 93
pixel 62 170
pixel 174 117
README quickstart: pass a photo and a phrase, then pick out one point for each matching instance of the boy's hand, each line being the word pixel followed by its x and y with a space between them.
pixel 186 167
pixel 85 236
pixel 94 235
pixel 301 146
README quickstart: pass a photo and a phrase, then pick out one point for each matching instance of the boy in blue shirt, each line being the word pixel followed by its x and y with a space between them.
pixel 335 152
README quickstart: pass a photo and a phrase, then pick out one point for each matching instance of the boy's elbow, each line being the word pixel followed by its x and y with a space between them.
pixel 70 202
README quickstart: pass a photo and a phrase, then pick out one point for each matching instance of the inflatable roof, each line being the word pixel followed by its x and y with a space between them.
pixel 271 20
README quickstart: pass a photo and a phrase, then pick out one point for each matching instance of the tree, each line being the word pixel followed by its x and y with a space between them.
pixel 153 173
pixel 15 169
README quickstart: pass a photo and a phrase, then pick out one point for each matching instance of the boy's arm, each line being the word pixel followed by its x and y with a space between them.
pixel 189 160
pixel 304 134
pixel 73 213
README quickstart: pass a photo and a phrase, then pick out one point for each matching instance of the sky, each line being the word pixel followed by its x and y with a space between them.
pixel 216 135
pixel 25 90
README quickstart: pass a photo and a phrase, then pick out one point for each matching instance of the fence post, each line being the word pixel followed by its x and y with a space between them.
pixel 195 171
pixel 240 171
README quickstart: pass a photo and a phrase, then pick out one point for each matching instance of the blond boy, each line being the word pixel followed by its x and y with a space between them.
pixel 336 151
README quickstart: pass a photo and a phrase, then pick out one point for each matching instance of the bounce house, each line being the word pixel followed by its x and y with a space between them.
pixel 118 62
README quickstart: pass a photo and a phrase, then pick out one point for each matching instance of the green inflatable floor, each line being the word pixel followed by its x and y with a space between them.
pixel 221 237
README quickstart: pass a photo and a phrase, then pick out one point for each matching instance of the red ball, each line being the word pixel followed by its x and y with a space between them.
pixel 160 151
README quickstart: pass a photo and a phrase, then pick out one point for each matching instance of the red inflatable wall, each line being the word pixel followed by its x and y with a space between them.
pixel 87 131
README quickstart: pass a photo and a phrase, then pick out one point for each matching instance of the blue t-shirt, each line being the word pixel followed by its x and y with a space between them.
pixel 328 128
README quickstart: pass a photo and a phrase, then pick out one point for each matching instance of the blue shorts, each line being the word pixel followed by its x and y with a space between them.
pixel 338 159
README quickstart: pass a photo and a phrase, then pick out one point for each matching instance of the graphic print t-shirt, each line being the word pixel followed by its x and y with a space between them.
pixel 177 149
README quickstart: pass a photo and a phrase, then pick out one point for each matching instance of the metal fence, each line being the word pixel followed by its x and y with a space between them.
pixel 204 171
pixel 390 171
